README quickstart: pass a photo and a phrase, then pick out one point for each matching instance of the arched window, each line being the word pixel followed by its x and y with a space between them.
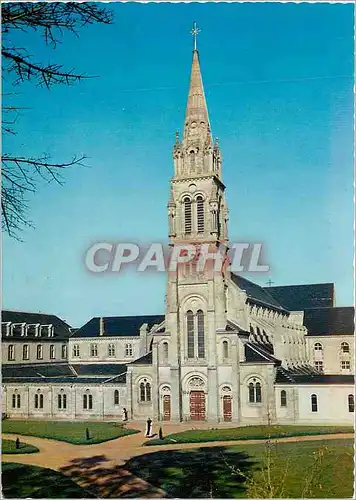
pixel 116 397
pixel 318 346
pixel 18 399
pixel 59 401
pixel 145 391
pixel 201 340
pixel 87 402
pixel 187 215
pixel 351 402
pixel 165 352
pixel 251 392
pixel 254 391
pixel 225 349
pixel 200 214
pixel 190 334
pixel 345 347
pixel 14 400
pixel 64 401
pixel 41 400
pixel 142 392
pixel 314 402
pixel 283 398
pixel 36 401
pixel 258 392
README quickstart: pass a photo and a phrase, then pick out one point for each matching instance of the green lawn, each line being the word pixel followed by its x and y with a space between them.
pixel 71 432
pixel 309 469
pixel 28 481
pixel 8 446
pixel 249 432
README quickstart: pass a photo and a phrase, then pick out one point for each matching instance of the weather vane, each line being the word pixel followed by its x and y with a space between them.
pixel 195 32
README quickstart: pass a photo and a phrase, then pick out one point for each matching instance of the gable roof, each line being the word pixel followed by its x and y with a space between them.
pixel 330 321
pixel 60 328
pixel 300 297
pixel 256 293
pixel 117 326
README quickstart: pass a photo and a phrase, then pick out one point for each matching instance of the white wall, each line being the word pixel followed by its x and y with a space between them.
pixel 103 345
pixel 331 355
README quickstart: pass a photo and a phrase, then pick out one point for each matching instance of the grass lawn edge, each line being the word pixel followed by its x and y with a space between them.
pixel 171 440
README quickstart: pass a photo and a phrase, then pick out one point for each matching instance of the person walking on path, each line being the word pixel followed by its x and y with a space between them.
pixel 148 427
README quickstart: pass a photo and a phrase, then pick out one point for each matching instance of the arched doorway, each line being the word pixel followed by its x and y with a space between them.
pixel 227 404
pixel 166 403
pixel 197 399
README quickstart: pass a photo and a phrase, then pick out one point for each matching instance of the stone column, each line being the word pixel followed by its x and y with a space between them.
pixel 155 382
pixel 235 379
pixel 175 395
pixel 212 395
pixel 129 405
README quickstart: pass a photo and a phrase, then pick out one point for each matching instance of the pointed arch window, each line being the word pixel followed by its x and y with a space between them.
pixel 62 401
pixel 38 401
pixel 200 214
pixel 187 215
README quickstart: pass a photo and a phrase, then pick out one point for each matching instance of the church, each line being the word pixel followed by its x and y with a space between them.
pixel 225 349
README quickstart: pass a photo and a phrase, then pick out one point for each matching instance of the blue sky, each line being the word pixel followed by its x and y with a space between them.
pixel 278 80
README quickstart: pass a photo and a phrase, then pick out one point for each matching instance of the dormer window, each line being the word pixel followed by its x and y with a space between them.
pixel 5 328
pixel 32 329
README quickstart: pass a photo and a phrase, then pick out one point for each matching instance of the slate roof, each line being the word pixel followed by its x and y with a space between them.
pixel 104 369
pixel 59 380
pixel 288 377
pixel 300 297
pixel 61 330
pixel 64 373
pixel 256 293
pixel 117 326
pixel 36 370
pixel 144 360
pixel 259 353
pixel 330 321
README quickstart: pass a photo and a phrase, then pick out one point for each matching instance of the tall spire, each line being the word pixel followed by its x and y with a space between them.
pixel 197 127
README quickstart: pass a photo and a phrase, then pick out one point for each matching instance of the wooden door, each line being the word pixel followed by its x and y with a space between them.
pixel 197 405
pixel 166 407
pixel 227 408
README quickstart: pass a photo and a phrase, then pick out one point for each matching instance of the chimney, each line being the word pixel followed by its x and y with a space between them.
pixel 101 326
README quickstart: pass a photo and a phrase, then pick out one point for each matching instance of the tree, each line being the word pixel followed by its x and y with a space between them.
pixel 20 173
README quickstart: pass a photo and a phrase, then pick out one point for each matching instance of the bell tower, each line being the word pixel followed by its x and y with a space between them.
pixel 197 207
pixel 196 299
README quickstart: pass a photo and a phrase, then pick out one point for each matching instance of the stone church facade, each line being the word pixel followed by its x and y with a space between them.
pixel 226 349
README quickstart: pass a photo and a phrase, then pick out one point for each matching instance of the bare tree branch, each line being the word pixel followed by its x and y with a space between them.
pixel 51 20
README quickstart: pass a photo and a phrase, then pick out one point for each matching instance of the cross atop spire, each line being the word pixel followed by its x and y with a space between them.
pixel 195 32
